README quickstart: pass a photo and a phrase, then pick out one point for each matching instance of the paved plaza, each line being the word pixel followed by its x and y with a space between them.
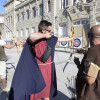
pixel 65 68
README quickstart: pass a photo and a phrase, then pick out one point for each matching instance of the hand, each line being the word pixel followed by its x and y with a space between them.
pixel 71 38
pixel 47 35
pixel 17 44
pixel 76 61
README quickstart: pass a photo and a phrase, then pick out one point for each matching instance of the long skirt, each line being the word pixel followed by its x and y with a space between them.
pixel 46 72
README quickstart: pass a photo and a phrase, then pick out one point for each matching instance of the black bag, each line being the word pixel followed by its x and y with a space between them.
pixel 46 54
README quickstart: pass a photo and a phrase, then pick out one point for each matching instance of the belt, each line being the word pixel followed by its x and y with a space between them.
pixel 46 63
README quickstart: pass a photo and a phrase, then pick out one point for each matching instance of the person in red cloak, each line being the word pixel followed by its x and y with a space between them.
pixel 39 42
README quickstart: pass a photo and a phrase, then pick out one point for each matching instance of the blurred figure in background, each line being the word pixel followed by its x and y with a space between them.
pixel 88 77
pixel 3 60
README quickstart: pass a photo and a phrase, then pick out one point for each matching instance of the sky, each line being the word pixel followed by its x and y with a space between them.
pixel 1 6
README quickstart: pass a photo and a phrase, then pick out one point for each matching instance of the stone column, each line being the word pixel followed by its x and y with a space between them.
pixel 45 6
pixel 70 2
pixel 92 16
pixel 53 14
pixel 69 26
pixel 84 1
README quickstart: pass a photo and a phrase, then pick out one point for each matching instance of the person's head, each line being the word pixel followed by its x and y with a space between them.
pixel 49 26
pixel 44 26
pixel 94 35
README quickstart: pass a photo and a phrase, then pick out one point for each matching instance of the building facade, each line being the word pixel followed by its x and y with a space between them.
pixel 23 16
pixel 2 24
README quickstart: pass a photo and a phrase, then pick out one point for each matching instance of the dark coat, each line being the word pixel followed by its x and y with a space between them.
pixel 27 78
pixel 83 89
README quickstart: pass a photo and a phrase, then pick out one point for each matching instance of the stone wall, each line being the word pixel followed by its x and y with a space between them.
pixel 59 16
pixel 1 24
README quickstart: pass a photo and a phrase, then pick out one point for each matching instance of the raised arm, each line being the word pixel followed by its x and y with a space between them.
pixel 36 36
pixel 65 39
pixel 8 46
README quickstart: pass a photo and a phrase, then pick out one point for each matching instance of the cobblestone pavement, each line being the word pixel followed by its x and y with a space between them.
pixel 65 68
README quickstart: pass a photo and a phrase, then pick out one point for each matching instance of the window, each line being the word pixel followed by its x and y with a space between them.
pixel 28 14
pixel 22 32
pixel 8 34
pixel 17 35
pixel 7 20
pixel 88 0
pixel 81 22
pixel 27 32
pixel 22 15
pixel 84 22
pixel 41 10
pixel 63 30
pixel 49 7
pixel 79 0
pixel 11 19
pixel 33 30
pixel 98 21
pixel 34 12
pixel 74 1
pixel 77 23
pixel 64 3
pixel 18 17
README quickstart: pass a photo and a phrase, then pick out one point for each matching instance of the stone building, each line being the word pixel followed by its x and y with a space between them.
pixel 2 23
pixel 23 16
